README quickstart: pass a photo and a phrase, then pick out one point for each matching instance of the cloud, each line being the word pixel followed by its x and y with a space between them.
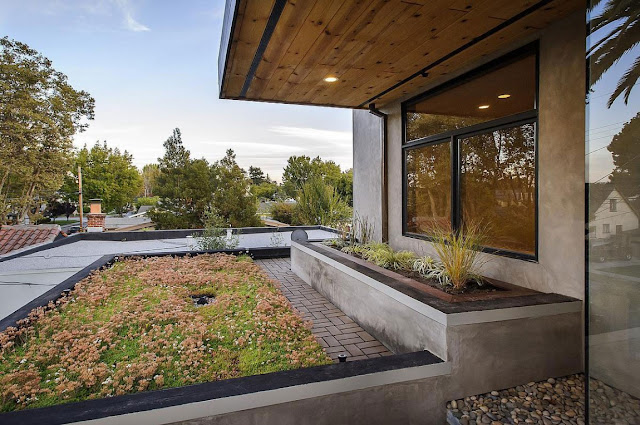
pixel 130 22
pixel 331 136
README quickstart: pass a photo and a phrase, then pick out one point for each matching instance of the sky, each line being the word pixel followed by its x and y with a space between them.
pixel 604 122
pixel 151 66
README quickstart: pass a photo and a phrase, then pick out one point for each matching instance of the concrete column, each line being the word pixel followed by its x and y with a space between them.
pixel 367 169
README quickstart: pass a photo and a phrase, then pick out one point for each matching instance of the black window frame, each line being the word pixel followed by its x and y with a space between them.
pixel 454 136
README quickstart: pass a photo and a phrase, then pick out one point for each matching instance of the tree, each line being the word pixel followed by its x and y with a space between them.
pixel 319 203
pixel 300 169
pixel 257 176
pixel 344 186
pixel 56 208
pixel 184 186
pixel 625 150
pixel 232 199
pixel 328 171
pixel 107 174
pixel 150 173
pixel 265 190
pixel 190 189
pixel 621 20
pixel 297 171
pixel 39 114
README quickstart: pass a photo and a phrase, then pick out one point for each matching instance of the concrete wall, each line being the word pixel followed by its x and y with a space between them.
pixel 507 353
pixel 367 169
pixel 416 402
pixel 400 328
pixel 487 349
pixel 561 153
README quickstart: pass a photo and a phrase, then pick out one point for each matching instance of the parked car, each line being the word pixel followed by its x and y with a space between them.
pixel 614 248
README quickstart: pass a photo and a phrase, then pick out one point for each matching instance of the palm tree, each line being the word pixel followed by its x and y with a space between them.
pixel 621 18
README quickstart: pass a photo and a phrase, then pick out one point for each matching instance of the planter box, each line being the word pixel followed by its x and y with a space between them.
pixel 505 290
pixel 491 343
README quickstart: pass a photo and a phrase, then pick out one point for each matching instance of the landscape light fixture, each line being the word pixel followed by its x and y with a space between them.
pixel 331 79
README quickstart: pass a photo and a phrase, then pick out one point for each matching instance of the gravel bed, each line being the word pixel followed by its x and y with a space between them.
pixel 551 402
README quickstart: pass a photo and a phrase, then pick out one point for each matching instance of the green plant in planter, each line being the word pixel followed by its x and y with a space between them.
pixel 424 265
pixel 390 259
pixel 361 230
pixel 431 269
pixel 354 249
pixel 459 254
pixel 373 250
pixel 337 243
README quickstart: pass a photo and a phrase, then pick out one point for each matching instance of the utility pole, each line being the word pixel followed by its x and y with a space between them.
pixel 80 196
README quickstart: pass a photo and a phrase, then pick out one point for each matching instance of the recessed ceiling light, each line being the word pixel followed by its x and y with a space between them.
pixel 483 107
pixel 331 79
pixel 504 96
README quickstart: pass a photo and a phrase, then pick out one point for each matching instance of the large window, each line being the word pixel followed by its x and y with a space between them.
pixel 470 156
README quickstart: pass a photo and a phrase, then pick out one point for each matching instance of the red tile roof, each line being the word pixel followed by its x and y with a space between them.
pixel 17 237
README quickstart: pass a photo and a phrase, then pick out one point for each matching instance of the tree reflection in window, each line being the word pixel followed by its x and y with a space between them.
pixel 498 186
pixel 428 187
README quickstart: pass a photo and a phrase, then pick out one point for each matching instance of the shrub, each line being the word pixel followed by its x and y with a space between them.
pixel 284 213
pixel 164 219
pixel 214 236
pixel 460 255
pixel 147 200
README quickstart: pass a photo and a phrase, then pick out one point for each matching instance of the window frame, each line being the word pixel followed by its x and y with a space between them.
pixel 613 205
pixel 454 139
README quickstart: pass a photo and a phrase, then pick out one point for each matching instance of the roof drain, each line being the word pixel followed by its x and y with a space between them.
pixel 383 165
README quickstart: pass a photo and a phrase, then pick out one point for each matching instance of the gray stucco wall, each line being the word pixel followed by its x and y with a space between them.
pixel 421 402
pixel 561 151
pixel 367 169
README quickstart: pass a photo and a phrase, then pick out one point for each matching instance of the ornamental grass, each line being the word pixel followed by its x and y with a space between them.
pixel 460 255
pixel 134 327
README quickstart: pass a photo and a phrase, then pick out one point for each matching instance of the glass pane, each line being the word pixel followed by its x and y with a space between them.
pixel 613 164
pixel 498 186
pixel 505 91
pixel 428 187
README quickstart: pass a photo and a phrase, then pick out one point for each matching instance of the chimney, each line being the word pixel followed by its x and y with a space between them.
pixel 95 218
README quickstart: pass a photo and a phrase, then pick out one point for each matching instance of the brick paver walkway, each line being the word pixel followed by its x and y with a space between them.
pixel 335 331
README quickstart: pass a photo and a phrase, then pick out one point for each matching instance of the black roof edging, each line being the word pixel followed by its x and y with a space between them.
pixel 54 293
pixel 151 235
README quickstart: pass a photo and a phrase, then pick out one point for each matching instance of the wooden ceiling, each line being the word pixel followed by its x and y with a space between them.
pixel 380 50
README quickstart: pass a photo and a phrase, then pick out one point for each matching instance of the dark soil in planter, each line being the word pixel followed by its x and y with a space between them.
pixel 470 288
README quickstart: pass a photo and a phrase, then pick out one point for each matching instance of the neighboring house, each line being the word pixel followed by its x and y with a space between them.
pixel 610 213
pixel 13 238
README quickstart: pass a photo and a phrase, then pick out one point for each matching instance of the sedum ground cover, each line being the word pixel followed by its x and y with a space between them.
pixel 134 327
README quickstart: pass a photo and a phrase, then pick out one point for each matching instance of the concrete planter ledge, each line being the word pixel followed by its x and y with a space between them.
pixel 493 343
pixel 459 313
